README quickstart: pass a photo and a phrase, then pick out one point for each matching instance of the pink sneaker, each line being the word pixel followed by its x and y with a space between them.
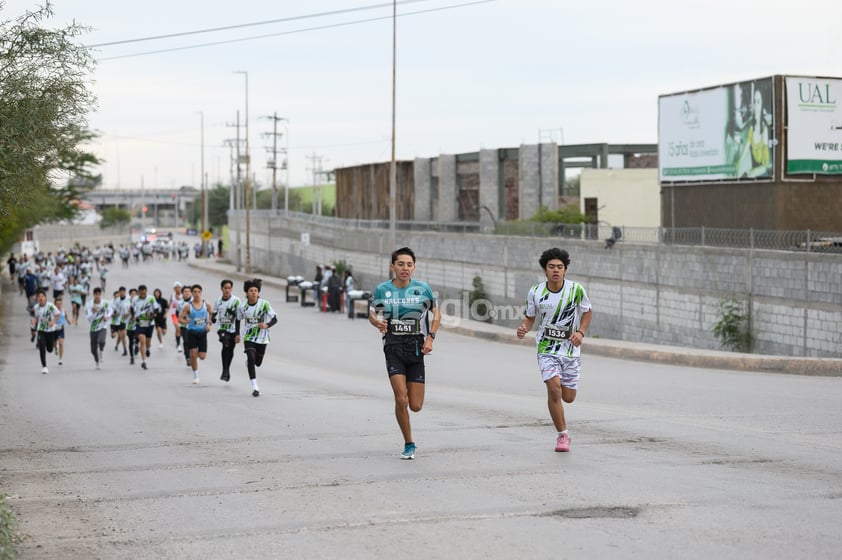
pixel 562 443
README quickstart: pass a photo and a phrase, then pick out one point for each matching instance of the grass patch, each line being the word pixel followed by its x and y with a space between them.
pixel 8 531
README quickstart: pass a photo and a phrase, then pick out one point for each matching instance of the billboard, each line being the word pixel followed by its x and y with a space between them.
pixel 720 134
pixel 814 126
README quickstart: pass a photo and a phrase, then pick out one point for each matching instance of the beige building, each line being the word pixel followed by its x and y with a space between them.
pixel 621 197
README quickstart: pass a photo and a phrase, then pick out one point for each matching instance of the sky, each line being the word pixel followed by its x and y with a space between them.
pixel 470 75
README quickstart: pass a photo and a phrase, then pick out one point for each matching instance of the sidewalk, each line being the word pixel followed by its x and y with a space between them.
pixel 675 355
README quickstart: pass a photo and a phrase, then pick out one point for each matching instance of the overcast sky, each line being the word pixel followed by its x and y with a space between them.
pixel 486 75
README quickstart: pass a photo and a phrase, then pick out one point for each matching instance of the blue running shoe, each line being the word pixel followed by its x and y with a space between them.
pixel 408 451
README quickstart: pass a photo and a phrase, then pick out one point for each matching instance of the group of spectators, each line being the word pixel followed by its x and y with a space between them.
pixel 328 282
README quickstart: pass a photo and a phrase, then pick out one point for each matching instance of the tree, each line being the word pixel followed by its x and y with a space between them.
pixel 569 215
pixel 115 217
pixel 44 100
pixel 218 203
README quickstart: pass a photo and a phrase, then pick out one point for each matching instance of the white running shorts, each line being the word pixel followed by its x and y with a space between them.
pixel 567 369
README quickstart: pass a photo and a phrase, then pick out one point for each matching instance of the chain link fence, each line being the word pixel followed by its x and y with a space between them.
pixel 779 240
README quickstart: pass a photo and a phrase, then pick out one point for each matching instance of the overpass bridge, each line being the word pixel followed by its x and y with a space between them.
pixel 163 207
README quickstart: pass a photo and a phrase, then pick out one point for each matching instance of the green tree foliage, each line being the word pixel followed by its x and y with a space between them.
pixel 115 217
pixel 569 215
pixel 44 99
pixel 480 306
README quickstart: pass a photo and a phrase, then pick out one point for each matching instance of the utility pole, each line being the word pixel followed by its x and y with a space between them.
pixel 393 173
pixel 246 194
pixel 235 198
pixel 316 169
pixel 273 164
pixel 204 187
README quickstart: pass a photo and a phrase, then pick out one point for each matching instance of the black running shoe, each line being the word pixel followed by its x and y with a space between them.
pixel 225 376
pixel 255 393
pixel 148 353
pixel 131 361
pixel 125 353
pixel 143 365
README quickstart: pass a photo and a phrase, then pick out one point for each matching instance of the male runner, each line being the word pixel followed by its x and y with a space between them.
pixel 144 309
pixel 98 312
pixel 44 318
pixel 121 309
pixel 404 310
pixel 258 317
pixel 196 316
pixel 226 311
pixel 565 314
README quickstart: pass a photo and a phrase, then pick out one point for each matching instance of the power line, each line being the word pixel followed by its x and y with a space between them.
pixel 294 31
pixel 252 24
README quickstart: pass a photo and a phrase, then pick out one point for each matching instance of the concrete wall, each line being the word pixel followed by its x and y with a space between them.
pixel 645 293
pixel 626 197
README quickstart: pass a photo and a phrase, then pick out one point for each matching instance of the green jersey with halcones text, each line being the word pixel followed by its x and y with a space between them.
pixel 407 310
pixel 251 316
pixel 559 315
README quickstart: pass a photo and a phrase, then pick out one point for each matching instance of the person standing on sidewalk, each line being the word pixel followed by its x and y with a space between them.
pixel 196 316
pixel 98 312
pixel 564 313
pixel 405 312
pixel 258 317
pixel 226 311
pixel 44 318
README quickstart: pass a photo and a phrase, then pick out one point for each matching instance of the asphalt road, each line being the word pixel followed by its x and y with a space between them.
pixel 666 461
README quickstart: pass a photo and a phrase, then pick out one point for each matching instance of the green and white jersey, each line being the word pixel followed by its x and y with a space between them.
pixel 98 314
pixel 559 315
pixel 43 314
pixel 144 309
pixel 131 321
pixel 120 308
pixel 226 311
pixel 253 315
pixel 407 310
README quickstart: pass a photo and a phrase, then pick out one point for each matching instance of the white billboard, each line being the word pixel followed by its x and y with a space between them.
pixel 814 126
pixel 720 134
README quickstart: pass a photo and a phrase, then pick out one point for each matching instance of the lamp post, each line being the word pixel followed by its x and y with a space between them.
pixel 246 194
pixel 393 168
pixel 202 180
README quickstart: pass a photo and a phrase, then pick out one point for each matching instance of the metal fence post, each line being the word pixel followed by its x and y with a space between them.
pixel 808 241
pixel 703 236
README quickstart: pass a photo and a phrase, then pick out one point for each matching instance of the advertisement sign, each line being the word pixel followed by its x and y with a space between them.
pixel 721 134
pixel 814 126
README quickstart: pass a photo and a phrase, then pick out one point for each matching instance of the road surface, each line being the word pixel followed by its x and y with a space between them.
pixel 666 461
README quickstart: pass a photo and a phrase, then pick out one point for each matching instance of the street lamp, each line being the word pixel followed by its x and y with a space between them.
pixel 202 181
pixel 246 186
pixel 393 180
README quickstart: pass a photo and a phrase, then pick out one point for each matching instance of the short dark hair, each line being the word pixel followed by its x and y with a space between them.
pixel 141 288
pixel 194 286
pixel 40 291
pixel 253 283
pixel 403 251
pixel 226 281
pixel 97 290
pixel 554 253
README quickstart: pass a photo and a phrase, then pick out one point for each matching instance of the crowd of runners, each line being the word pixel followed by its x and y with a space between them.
pixel 402 309
pixel 132 319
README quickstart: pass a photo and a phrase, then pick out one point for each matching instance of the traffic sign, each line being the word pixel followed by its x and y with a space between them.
pixel 206 235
